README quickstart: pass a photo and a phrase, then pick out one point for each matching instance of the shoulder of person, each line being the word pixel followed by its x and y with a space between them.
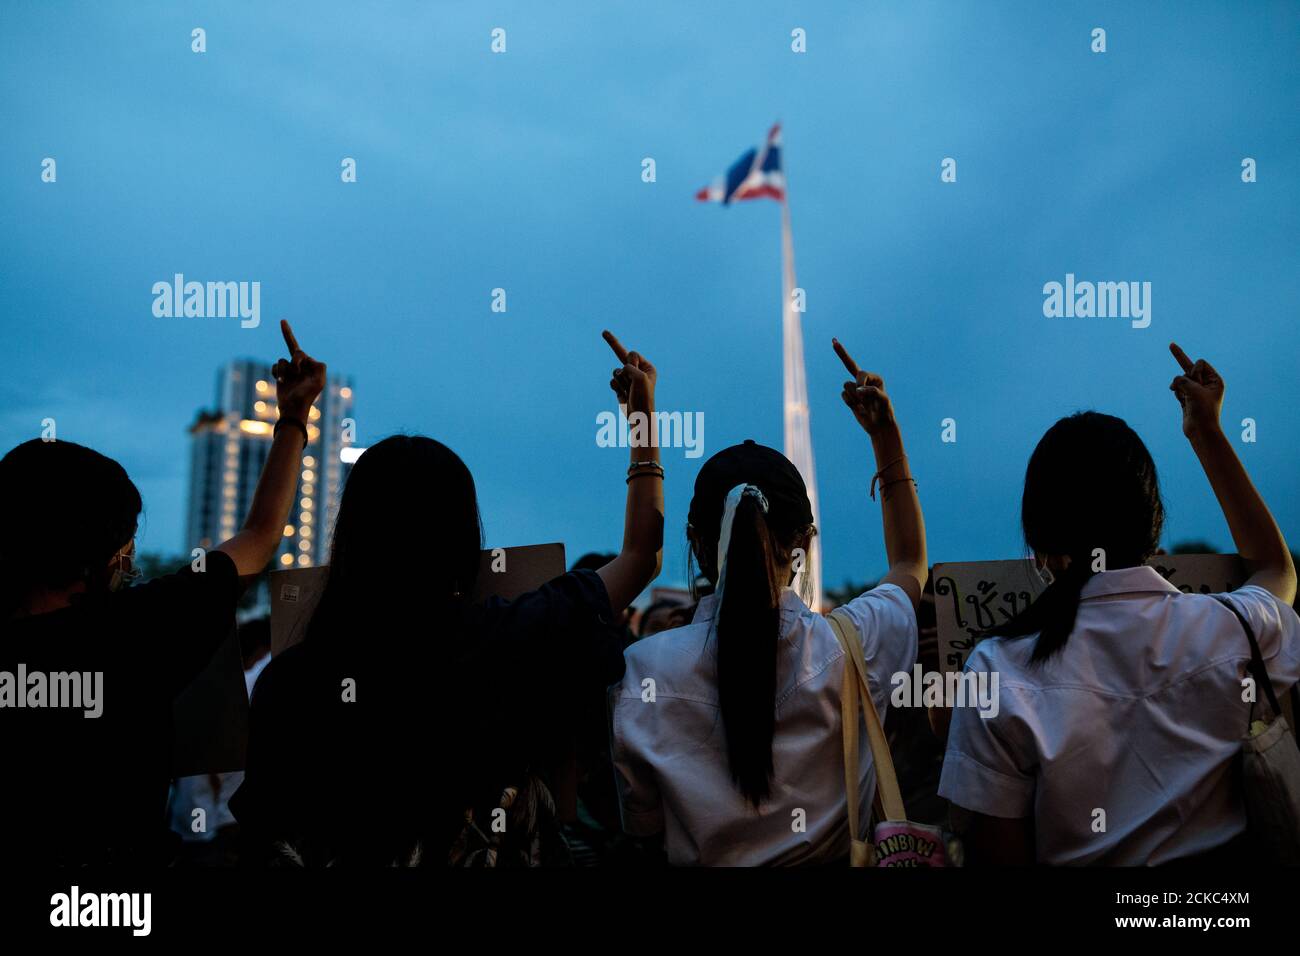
pixel 1252 595
pixel 658 656
pixel 885 591
pixel 217 569
pixel 581 588
pixel 282 674
pixel 1009 655
pixel 887 598
pixel 215 563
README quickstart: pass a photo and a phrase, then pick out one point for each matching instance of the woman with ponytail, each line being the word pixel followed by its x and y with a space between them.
pixel 1117 692
pixel 726 732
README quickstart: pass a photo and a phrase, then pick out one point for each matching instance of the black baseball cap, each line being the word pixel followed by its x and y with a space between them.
pixel 750 463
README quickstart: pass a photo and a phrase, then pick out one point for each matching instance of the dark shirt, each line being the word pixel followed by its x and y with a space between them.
pixel 446 714
pixel 94 790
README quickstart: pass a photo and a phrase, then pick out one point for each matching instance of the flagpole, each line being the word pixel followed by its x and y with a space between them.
pixel 798 436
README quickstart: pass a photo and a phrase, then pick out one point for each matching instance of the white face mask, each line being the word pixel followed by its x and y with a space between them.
pixel 123 577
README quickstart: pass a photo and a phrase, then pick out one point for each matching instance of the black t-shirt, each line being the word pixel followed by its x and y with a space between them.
pixel 444 715
pixel 83 789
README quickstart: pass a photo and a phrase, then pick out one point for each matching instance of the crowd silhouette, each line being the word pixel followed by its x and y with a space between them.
pixel 544 730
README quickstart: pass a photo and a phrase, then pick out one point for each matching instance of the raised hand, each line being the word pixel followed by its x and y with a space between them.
pixel 1200 392
pixel 865 395
pixel 299 379
pixel 641 557
pixel 634 383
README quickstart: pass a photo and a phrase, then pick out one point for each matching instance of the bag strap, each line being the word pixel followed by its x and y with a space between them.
pixel 888 795
pixel 861 853
pixel 1256 666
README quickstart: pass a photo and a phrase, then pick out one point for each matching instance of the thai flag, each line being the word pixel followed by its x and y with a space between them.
pixel 753 176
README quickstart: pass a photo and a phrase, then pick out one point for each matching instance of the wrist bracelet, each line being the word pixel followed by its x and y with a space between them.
pixel 296 423
pixel 639 468
pixel 886 484
pixel 876 477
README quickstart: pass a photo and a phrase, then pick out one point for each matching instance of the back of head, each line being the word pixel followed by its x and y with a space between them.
pixel 1091 496
pixel 749 511
pixel 592 561
pixel 67 511
pixel 407 533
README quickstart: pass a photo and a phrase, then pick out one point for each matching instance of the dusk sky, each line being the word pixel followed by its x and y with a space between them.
pixel 522 170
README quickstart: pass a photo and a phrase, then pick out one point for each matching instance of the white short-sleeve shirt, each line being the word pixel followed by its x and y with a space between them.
pixel 1140 716
pixel 670 753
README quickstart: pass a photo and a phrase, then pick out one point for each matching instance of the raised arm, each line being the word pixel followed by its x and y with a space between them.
pixel 298 381
pixel 1258 539
pixel 900 508
pixel 641 557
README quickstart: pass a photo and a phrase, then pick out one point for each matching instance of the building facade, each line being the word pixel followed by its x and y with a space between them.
pixel 229 445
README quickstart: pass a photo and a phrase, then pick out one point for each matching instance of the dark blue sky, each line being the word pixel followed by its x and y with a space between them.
pixel 522 171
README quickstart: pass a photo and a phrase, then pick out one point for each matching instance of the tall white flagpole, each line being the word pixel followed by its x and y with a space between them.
pixel 798 437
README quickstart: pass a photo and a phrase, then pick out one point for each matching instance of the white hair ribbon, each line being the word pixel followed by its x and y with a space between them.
pixel 728 516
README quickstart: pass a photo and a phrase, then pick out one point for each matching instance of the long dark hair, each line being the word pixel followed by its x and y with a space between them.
pixel 1091 486
pixel 748 618
pixel 67 511
pixel 408 526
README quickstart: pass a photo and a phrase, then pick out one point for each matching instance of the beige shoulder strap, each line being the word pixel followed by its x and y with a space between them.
pixel 854 689
pixel 861 853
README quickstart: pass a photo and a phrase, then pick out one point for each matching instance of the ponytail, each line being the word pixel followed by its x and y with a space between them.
pixel 749 511
pixel 1051 616
pixel 748 629
pixel 1090 491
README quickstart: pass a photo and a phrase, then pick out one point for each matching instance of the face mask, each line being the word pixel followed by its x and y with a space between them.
pixel 123 578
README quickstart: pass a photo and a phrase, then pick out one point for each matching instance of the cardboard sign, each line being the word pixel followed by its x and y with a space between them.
pixel 971 597
pixel 210 717
pixel 503 572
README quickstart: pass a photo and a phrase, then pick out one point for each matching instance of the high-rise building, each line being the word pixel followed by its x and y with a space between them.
pixel 229 445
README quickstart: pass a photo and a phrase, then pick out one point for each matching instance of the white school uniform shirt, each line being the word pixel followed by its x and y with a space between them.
pixel 670 753
pixel 1140 715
